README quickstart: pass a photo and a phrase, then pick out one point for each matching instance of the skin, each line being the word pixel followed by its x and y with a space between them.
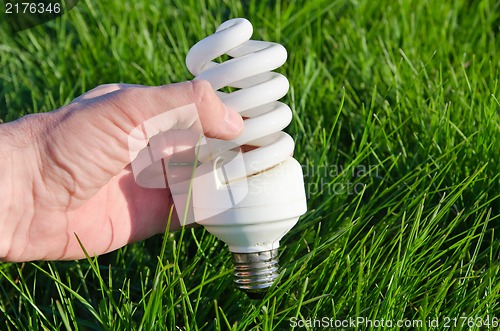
pixel 68 171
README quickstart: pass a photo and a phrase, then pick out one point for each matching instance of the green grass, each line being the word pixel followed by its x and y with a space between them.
pixel 396 121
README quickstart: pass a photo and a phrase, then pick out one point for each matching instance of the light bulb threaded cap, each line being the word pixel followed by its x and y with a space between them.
pixel 255 272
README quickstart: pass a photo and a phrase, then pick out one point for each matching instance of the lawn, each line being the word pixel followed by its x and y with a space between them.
pixel 397 125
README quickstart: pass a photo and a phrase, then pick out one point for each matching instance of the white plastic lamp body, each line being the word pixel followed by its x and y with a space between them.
pixel 248 200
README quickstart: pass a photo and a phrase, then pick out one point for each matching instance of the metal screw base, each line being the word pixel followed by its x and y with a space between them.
pixel 254 273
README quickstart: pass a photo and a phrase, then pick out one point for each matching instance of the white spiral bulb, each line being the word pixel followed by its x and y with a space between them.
pixel 250 202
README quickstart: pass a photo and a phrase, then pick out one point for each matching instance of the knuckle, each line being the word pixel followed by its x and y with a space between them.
pixel 105 88
pixel 203 93
pixel 131 94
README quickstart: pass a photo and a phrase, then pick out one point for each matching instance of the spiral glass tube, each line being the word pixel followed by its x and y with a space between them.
pixel 273 195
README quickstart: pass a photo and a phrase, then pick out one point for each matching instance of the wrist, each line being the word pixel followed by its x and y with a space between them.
pixel 16 145
pixel 5 191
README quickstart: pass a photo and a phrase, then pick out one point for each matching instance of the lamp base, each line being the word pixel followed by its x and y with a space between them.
pixel 255 273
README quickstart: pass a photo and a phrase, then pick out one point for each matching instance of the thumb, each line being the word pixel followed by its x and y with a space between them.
pixel 134 105
pixel 89 139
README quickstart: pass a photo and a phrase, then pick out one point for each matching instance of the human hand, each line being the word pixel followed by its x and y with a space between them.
pixel 68 172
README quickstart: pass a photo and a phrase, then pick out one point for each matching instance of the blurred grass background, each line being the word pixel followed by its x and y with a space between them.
pixel 397 125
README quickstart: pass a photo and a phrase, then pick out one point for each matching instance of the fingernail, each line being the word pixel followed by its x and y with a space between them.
pixel 233 120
